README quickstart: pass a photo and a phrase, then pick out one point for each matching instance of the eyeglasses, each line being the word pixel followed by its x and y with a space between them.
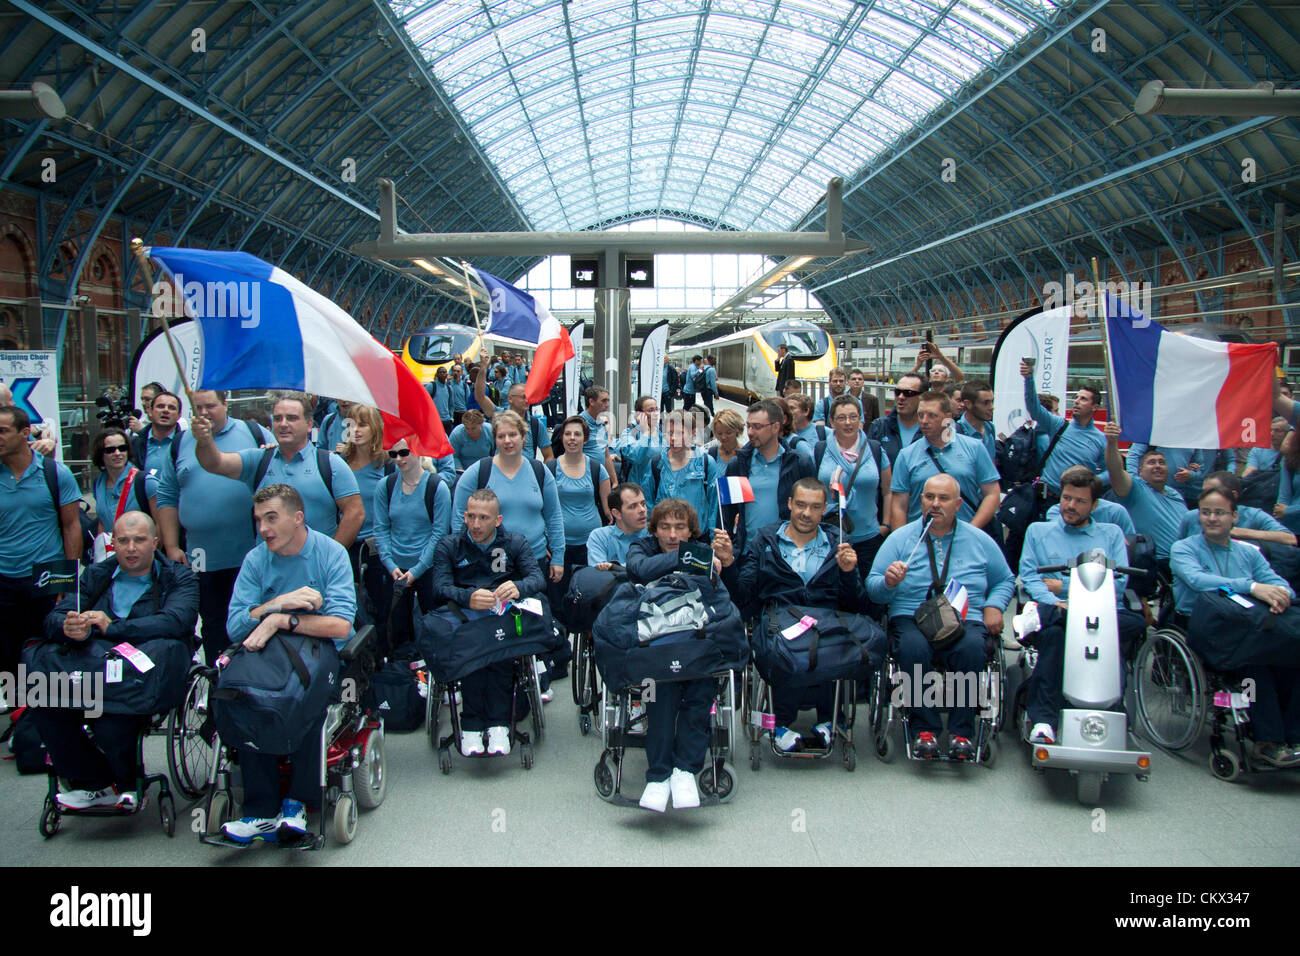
pixel 906 393
pixel 848 419
pixel 1215 513
pixel 109 449
pixel 398 452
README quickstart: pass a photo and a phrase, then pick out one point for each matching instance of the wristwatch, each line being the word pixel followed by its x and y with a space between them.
pixel 293 623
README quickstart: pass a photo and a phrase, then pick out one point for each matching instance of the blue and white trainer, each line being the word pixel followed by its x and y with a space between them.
pixel 248 829
pixel 786 739
pixel 293 818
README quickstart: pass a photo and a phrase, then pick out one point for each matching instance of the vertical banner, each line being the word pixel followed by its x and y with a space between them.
pixel 153 362
pixel 1043 338
pixel 33 377
pixel 650 378
pixel 573 370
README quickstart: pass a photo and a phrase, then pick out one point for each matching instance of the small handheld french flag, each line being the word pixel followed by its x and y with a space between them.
pixel 956 594
pixel 837 484
pixel 734 491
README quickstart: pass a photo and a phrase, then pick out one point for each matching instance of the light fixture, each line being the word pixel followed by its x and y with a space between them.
pixel 1260 100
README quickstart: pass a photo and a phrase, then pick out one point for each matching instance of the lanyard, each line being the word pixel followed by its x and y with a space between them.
pixel 938 580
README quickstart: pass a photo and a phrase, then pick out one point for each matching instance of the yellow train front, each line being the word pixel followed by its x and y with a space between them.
pixel 747 359
pixel 433 348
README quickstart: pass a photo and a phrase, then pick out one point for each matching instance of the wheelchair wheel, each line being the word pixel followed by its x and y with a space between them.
pixel 1225 765
pixel 583 679
pixel 370 775
pixel 604 778
pixel 167 813
pixel 535 701
pixel 219 811
pixel 189 743
pixel 1170 691
pixel 50 820
pixel 717 779
pixel 345 819
pixel 431 710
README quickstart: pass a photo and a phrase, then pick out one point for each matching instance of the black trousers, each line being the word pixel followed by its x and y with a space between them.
pixel 485 697
pixel 677 735
pixel 401 623
pixel 215 589
pixel 788 701
pixel 375 592
pixel 22 612
pixel 261 773
pixel 91 765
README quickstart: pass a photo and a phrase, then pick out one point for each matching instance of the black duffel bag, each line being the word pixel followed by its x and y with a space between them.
pixel 1228 637
pixel 140 692
pixel 838 646
pixel 589 589
pixel 456 641
pixel 394 694
pixel 680 627
pixel 269 700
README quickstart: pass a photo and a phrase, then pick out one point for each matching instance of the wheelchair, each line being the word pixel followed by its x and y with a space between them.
pixel 525 684
pixel 52 813
pixel 353 767
pixel 1177 695
pixel 623 726
pixel 887 712
pixel 759 717
pixel 584 682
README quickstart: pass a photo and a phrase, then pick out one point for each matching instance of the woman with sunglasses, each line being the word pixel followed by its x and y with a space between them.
pixel 120 486
pixel 412 508
pixel 363 450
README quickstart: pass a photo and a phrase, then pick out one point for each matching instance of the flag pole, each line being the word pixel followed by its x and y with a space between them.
pixel 1111 404
pixel 138 250
pixel 469 291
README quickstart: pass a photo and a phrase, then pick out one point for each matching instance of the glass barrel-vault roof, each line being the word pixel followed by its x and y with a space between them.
pixel 733 111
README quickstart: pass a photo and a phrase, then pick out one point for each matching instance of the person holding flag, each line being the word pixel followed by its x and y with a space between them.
pixel 940 554
pixel 858 472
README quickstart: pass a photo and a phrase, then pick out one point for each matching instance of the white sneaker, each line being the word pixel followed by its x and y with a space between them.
pixel 1042 734
pixel 471 742
pixel 498 740
pixel 685 794
pixel 786 739
pixel 249 829
pixel 1026 622
pixel 548 695
pixel 827 735
pixel 636 722
pixel 655 796
pixel 85 799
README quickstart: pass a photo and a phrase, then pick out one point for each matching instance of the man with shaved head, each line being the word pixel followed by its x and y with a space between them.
pixel 133 596
pixel 915 563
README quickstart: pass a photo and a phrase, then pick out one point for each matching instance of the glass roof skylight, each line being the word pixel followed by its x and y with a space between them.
pixel 733 111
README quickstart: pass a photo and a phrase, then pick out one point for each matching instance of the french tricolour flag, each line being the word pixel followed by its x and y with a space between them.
pixel 734 491
pixel 516 315
pixel 957 596
pixel 1185 392
pixel 262 328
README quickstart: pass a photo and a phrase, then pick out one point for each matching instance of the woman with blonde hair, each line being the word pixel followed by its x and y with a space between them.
pixel 362 448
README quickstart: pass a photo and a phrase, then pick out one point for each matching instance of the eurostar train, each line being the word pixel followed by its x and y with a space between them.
pixel 747 359
pixel 432 348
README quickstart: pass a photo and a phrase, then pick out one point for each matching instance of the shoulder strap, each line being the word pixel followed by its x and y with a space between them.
pixel 819 450
pixel 51 472
pixel 539 472
pixel 253 433
pixel 1055 438
pixel 176 446
pixel 262 467
pixel 552 465
pixel 534 426
pixel 390 468
pixel 929 450
pixel 594 471
pixel 484 472
pixel 878 451
pixel 937 580
pixel 326 469
pixel 390 485
pixel 431 493
pixel 141 490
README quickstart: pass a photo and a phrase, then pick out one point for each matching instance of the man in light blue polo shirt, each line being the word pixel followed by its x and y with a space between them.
pixel 1055 542
pixel 296 580
pixel 154 442
pixel 597 447
pixel 337 511
pixel 962 457
pixel 977 422
pixel 1187 467
pixel 471 439
pixel 1080 444
pixel 459 392
pixel 608 546
pixel 211 510
pixel 1157 510
pixel 33 529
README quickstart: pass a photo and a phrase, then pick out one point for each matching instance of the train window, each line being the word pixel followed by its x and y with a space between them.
pixel 731 362
pixel 435 347
pixel 802 343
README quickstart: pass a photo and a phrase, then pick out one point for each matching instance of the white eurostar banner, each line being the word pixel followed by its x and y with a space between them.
pixel 650 375
pixel 153 363
pixel 572 371
pixel 1044 337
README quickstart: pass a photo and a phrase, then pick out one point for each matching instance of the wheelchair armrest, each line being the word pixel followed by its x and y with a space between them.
pixel 358 642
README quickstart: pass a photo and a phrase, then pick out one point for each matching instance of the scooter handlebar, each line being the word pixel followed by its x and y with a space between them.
pixel 1132 571
pixel 1048 569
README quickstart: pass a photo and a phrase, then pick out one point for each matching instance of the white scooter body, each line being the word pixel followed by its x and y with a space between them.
pixel 1092 730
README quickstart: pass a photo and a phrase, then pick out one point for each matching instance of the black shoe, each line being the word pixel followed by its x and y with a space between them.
pixel 959 748
pixel 925 746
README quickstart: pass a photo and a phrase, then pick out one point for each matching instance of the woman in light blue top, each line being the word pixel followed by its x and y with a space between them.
pixel 686 472
pixel 412 512
pixel 850 453
pixel 363 450
pixel 111 452
pixel 1287 509
pixel 530 504
pixel 583 502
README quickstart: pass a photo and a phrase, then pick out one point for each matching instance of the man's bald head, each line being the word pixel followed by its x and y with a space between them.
pixel 6 395
pixel 940 502
pixel 131 519
pixel 947 483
